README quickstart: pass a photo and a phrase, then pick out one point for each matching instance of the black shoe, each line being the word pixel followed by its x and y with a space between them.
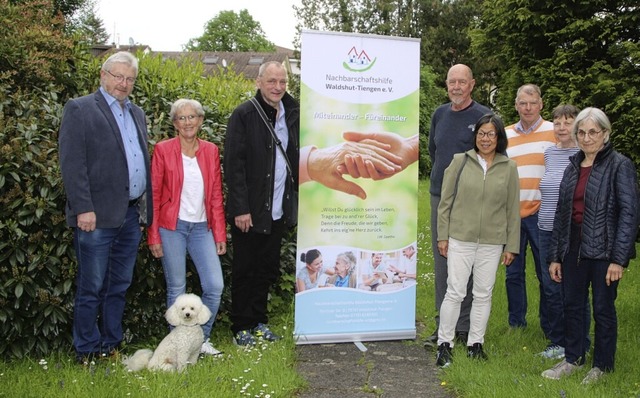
pixel 432 341
pixel 88 359
pixel 461 338
pixel 112 354
pixel 475 351
pixel 444 357
pixel 263 331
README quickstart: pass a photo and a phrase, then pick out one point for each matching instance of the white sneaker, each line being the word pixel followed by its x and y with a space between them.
pixel 593 375
pixel 208 349
pixel 553 352
pixel 564 368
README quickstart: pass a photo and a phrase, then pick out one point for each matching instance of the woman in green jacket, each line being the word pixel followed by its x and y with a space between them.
pixel 478 222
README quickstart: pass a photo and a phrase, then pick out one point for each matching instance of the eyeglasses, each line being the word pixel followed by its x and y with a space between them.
pixel 525 104
pixel 491 134
pixel 275 82
pixel 190 118
pixel 591 133
pixel 120 78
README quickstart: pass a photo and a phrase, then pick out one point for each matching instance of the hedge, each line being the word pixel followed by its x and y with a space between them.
pixel 37 261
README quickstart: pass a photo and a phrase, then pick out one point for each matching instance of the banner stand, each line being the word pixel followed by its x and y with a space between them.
pixel 358 195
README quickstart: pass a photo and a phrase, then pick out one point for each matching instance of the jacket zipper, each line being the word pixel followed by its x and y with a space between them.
pixel 584 199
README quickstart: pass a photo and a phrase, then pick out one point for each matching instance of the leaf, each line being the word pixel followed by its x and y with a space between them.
pixel 67 285
pixel 18 290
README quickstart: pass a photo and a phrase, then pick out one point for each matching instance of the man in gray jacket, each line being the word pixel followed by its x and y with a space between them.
pixel 105 169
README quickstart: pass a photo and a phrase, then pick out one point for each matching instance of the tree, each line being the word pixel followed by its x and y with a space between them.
pixel 229 31
pixel 86 24
pixel 445 28
pixel 382 17
pixel 33 49
pixel 67 7
pixel 584 52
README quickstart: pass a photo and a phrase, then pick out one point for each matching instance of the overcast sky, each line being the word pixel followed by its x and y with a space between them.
pixel 166 26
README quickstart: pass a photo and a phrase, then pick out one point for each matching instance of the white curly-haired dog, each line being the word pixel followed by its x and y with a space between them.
pixel 180 347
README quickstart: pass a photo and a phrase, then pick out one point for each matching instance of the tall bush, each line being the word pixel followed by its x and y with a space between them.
pixel 431 96
pixel 36 266
pixel 585 53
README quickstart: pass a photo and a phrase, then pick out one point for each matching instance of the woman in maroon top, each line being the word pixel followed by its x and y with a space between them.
pixel 593 240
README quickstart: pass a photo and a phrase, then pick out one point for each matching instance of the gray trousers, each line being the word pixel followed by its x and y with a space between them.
pixel 440 269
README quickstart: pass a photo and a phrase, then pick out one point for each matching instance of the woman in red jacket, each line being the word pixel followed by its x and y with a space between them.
pixel 188 212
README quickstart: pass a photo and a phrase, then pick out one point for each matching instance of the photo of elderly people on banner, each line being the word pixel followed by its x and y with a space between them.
pixel 369 271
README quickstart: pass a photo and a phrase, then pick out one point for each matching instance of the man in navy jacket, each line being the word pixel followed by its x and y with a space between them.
pixel 105 169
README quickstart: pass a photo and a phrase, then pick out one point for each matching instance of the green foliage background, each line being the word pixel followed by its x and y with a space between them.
pixel 37 261
pixel 581 52
pixel 585 52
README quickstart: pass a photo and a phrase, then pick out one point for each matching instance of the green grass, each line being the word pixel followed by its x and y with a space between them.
pixel 513 369
pixel 425 304
pixel 266 370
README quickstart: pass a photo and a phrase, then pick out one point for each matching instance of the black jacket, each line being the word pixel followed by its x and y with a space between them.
pixel 249 163
pixel 610 221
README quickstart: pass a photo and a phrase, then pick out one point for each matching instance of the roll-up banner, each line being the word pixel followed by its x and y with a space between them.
pixel 357 224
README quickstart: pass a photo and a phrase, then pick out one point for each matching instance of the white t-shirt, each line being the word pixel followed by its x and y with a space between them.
pixel 192 195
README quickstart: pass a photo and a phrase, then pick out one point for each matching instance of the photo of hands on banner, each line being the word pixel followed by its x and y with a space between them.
pixel 362 155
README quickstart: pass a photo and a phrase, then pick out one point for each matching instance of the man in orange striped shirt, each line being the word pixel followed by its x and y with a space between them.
pixel 528 140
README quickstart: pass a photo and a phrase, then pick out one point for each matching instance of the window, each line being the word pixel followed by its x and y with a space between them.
pixel 210 59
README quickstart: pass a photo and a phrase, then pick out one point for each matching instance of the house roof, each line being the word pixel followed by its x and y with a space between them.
pixel 242 63
pixel 102 50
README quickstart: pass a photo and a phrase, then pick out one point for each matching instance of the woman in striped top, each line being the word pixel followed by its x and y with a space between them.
pixel 556 159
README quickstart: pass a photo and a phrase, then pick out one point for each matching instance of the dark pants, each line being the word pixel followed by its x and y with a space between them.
pixel 256 266
pixel 554 298
pixel 106 259
pixel 516 280
pixel 577 275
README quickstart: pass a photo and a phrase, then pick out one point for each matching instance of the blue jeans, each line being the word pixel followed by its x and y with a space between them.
pixel 106 259
pixel 552 292
pixel 198 240
pixel 516 277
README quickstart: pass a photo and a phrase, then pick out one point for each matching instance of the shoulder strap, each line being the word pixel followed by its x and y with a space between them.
pixel 455 187
pixel 263 116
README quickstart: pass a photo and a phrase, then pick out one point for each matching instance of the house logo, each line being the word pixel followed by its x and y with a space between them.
pixel 358 61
